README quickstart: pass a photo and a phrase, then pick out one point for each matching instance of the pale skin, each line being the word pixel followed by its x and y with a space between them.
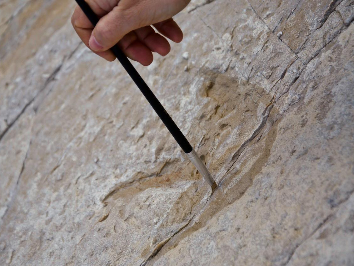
pixel 131 24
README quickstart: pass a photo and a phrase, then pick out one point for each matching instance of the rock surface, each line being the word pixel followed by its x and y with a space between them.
pixel 263 90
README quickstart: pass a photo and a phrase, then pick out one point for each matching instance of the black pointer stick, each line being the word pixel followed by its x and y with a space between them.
pixel 154 102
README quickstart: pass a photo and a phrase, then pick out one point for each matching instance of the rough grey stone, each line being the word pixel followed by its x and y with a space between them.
pixel 90 176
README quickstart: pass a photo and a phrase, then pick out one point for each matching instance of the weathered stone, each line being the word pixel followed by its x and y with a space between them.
pixel 345 9
pixel 263 91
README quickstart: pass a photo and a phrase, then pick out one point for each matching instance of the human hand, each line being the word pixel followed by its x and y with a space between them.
pixel 129 23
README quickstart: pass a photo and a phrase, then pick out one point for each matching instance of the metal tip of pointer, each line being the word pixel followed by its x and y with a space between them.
pixel 194 158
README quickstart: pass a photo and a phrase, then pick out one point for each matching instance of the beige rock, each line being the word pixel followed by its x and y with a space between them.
pixel 90 176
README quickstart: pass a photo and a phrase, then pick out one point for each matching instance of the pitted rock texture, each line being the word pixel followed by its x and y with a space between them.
pixel 262 89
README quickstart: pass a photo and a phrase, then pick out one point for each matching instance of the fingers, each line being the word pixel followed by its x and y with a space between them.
pixel 111 29
pixel 154 41
pixel 85 34
pixel 83 28
pixel 79 19
pixel 170 29
pixel 135 49
pixel 139 45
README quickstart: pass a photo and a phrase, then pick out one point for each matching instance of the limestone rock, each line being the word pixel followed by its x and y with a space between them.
pixel 90 176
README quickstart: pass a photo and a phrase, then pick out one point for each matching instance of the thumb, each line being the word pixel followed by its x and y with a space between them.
pixel 111 28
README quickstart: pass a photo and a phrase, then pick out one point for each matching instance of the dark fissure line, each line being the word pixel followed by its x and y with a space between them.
pixel 50 78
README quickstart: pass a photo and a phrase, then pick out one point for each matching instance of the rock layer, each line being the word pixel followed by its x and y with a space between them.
pixel 263 90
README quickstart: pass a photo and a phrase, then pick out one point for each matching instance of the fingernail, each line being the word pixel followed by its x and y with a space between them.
pixel 94 44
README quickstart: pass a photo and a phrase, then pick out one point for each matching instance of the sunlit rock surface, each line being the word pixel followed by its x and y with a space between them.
pixel 264 90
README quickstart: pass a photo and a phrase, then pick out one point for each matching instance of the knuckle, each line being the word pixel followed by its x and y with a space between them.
pixel 73 19
pixel 132 19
